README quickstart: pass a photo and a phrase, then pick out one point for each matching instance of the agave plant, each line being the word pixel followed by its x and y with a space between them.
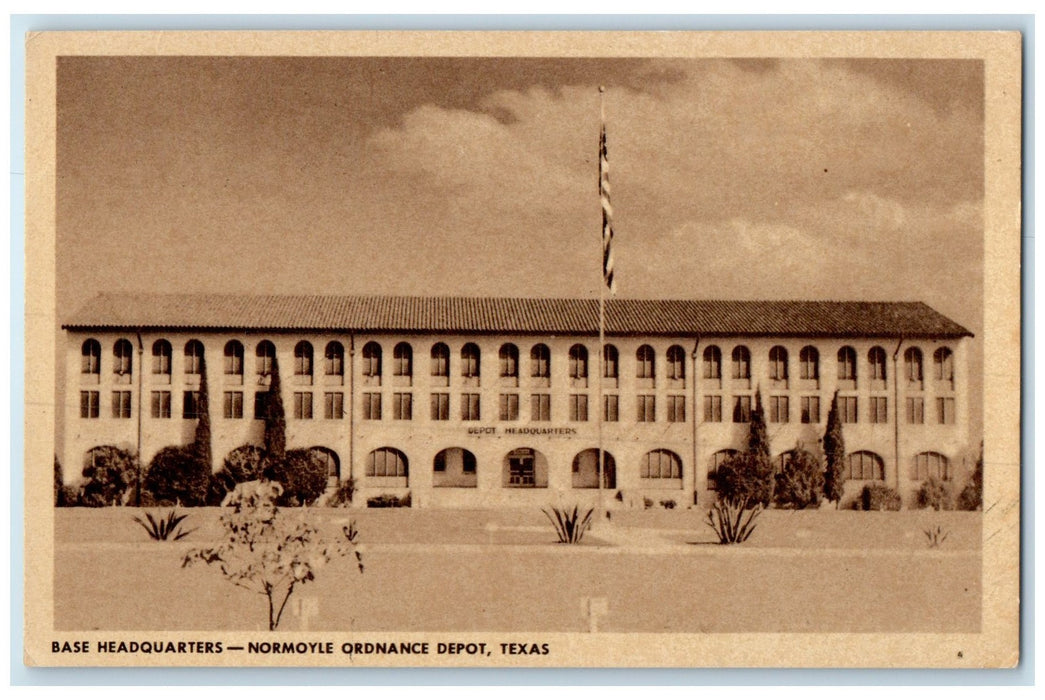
pixel 570 526
pixel 727 519
pixel 935 536
pixel 163 529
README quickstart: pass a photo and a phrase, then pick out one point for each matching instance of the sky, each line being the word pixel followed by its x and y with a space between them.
pixel 731 179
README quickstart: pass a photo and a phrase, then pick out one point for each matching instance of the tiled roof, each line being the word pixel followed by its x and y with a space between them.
pixel 502 315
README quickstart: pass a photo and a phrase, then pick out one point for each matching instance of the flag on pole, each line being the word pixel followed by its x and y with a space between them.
pixel 607 211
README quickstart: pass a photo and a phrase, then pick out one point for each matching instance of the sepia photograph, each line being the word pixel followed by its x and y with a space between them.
pixel 523 349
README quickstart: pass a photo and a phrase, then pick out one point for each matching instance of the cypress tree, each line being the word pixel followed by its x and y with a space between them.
pixel 758 447
pixel 834 455
pixel 275 438
pixel 201 442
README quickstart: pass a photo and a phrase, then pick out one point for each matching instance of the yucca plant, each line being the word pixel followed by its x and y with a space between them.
pixel 731 521
pixel 163 529
pixel 570 526
pixel 936 536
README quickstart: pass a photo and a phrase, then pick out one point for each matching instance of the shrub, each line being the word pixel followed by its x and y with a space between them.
pixel 59 481
pixel 800 482
pixel 177 474
pixel 647 503
pixel 163 529
pixel 746 477
pixel 971 497
pixel 880 497
pixel 245 463
pixel 936 494
pixel 303 476
pixel 386 500
pixel 731 521
pixel 570 526
pixel 69 497
pixel 109 476
pixel 668 504
pixel 343 496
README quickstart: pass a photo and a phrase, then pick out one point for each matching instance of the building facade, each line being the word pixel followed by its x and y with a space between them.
pixel 494 402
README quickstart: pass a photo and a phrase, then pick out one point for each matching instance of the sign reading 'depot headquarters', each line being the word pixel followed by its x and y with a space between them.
pixel 547 432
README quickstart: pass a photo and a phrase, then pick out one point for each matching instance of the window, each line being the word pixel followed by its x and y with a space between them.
pixel 943 365
pixel 540 407
pixel 161 404
pixel 741 362
pixel 440 406
pixel 644 362
pixel 661 464
pixel 333 405
pixel 509 404
pixel 454 455
pixel 912 361
pixel 712 409
pixel 233 404
pixel 879 409
pixel 847 409
pixel 402 406
pixel 161 357
pixel 945 411
pixel 611 408
pixel 123 356
pixel 865 466
pixel 402 360
pixel 190 405
pixel 265 355
pixel 809 363
pixel 927 464
pixel 334 359
pixel 234 358
pixel 372 360
pixel 778 363
pixel 810 409
pixel 470 360
pixel 646 408
pixel 540 361
pixel 741 409
pixel 676 409
pixel 371 406
pixel 717 460
pixel 876 360
pixel 303 405
pixel 676 362
pixel 88 404
pixel 915 410
pixel 508 358
pixel 261 404
pixel 779 409
pixel 193 357
pixel 90 357
pixel 610 360
pixel 847 364
pixel 328 458
pixel 469 406
pixel 712 362
pixel 578 362
pixel 578 407
pixel 303 359
pixel 386 462
pixel 440 360
pixel 121 404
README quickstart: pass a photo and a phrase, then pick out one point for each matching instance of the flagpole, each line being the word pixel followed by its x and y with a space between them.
pixel 602 298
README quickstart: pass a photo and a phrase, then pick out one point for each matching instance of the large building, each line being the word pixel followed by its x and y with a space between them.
pixel 473 402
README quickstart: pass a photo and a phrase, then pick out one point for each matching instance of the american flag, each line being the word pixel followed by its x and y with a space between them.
pixel 607 212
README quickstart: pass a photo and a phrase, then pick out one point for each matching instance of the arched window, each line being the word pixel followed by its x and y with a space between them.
pixel 741 362
pixel 778 363
pixel 876 359
pixel 123 357
pixel 717 460
pixel 540 361
pixel 386 461
pixel 470 360
pixel 661 464
pixel 712 362
pixel 809 362
pixel 402 360
pixel 645 360
pixel 929 464
pixel 234 358
pixel 847 364
pixel 440 360
pixel 303 358
pixel 371 360
pixel 912 361
pixel 265 355
pixel 334 359
pixel 328 458
pixel 508 357
pixel 162 352
pixel 865 466
pixel 193 357
pixel 91 357
pixel 578 362
pixel 676 362
pixel 943 364
pixel 610 359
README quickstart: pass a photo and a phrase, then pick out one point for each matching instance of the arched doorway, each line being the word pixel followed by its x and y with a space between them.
pixel 454 467
pixel 586 470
